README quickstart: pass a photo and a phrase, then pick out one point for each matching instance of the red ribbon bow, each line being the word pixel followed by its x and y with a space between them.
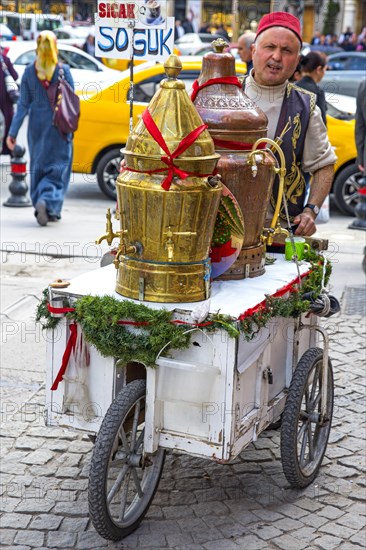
pixel 66 356
pixel 233 80
pixel 169 158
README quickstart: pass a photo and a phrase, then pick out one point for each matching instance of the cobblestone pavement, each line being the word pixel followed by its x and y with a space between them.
pixel 199 504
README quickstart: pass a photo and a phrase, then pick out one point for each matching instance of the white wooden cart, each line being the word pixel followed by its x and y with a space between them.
pixel 209 401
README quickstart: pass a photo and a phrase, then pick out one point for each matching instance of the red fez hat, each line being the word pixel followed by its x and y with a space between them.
pixel 280 19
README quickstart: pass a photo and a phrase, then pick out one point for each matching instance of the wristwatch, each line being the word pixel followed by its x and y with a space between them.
pixel 312 207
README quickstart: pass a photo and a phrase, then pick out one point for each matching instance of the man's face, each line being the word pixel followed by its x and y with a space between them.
pixel 276 54
pixel 245 53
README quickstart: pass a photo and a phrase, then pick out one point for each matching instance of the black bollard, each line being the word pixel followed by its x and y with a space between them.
pixel 18 186
pixel 360 210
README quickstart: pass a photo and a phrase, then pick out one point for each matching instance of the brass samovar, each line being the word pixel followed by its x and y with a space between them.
pixel 167 200
pixel 239 129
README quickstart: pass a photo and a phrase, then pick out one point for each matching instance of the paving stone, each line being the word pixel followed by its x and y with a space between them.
pixel 68 472
pixel 354 521
pixel 267 532
pixel 313 520
pixel 61 540
pixel 12 468
pixel 156 512
pixel 47 522
pixel 81 447
pixel 292 511
pixel 89 540
pixel 154 540
pixel 340 531
pixel 287 542
pixel 220 545
pixel 331 512
pixel 355 461
pixel 7 536
pixel 268 515
pixel 180 539
pixel 74 484
pixel 359 538
pixel 73 525
pixel 20 547
pixel 213 508
pixel 41 456
pixel 340 472
pixel 72 509
pixel 305 533
pixel 327 542
pixel 33 538
pixel 8 504
pixel 175 512
pixel 35 506
pixel 231 531
pixel 287 524
pixel 56 445
pixel 205 535
pixel 44 471
pixel 16 521
pixel 27 443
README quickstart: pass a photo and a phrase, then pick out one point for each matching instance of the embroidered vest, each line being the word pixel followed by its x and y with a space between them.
pixel 296 109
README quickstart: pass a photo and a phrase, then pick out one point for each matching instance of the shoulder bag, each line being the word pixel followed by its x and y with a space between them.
pixel 66 110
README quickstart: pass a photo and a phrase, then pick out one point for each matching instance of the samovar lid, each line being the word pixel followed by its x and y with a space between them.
pixel 171 114
pixel 224 106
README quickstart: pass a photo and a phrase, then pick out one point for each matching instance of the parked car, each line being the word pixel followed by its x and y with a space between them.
pixel 323 48
pixel 341 132
pixel 107 116
pixel 6 33
pixel 347 69
pixel 348 61
pixel 190 42
pixel 74 36
pixel 88 73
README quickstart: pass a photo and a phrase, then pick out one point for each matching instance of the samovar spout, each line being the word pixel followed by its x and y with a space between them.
pixel 109 235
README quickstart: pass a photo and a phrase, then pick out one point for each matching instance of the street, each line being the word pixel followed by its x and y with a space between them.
pixel 199 504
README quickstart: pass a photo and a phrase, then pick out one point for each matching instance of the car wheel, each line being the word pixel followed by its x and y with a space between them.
pixel 108 171
pixel 345 189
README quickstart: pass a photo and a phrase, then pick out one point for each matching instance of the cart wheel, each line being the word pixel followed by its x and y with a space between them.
pixel 122 481
pixel 304 434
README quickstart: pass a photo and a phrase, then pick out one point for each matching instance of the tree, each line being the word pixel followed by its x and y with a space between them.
pixel 331 17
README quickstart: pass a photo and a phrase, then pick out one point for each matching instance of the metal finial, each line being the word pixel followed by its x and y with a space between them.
pixel 173 66
pixel 219 45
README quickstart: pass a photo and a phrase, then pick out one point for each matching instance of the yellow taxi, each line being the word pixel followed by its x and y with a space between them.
pixel 105 121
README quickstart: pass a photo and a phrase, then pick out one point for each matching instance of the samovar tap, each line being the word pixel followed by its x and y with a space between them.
pixel 109 235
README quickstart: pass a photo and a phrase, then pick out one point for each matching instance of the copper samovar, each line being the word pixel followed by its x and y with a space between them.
pixel 239 128
pixel 167 200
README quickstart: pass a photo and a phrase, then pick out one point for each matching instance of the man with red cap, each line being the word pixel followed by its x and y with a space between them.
pixel 292 115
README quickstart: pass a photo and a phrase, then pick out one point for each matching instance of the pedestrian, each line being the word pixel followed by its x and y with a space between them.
pixel 293 116
pixel 178 30
pixel 89 45
pixel 2 129
pixel 313 67
pixel 245 42
pixel 187 26
pixel 50 151
pixel 6 103
pixel 360 128
pixel 221 31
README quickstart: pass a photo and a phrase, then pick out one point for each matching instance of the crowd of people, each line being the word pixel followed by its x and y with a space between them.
pixel 349 41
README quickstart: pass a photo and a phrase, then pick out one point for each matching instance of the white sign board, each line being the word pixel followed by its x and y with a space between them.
pixel 149 43
pixel 138 14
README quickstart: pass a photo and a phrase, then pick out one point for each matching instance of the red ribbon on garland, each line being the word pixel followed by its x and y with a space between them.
pixel 169 158
pixel 233 80
pixel 66 356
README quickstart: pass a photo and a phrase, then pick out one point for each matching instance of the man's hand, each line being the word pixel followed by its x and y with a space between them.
pixel 306 222
pixel 11 142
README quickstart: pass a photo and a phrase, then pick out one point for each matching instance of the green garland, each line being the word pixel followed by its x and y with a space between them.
pixel 99 316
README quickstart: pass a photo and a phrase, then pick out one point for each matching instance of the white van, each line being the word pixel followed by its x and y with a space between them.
pixel 28 25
